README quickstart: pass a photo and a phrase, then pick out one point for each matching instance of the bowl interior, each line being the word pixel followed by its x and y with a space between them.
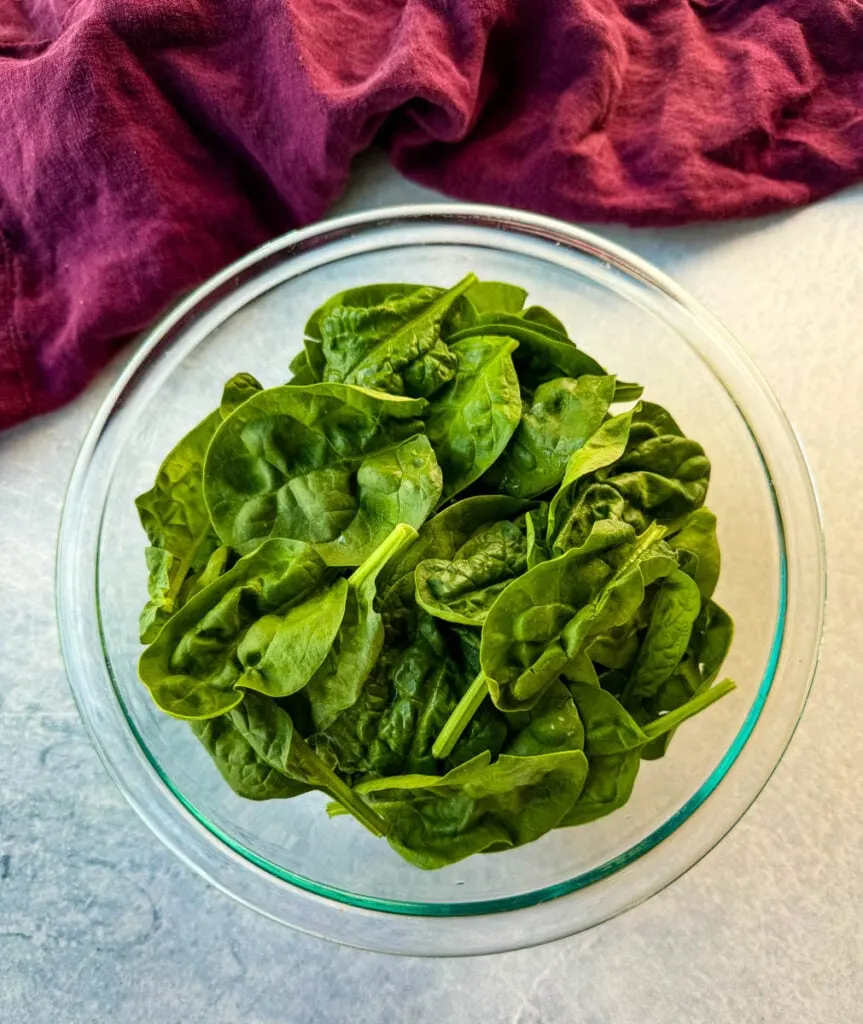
pixel 634 330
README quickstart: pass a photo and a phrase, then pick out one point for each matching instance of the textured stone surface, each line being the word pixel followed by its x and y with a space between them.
pixel 99 922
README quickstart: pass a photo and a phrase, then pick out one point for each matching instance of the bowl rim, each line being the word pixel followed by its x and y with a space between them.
pixel 69 580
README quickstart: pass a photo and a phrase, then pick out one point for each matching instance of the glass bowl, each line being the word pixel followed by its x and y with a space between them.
pixel 329 877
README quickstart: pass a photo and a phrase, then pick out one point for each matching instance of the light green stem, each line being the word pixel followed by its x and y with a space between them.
pixel 398 540
pixel 665 723
pixel 320 774
pixel 460 718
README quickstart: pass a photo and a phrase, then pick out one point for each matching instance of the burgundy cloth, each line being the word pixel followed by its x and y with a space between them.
pixel 146 143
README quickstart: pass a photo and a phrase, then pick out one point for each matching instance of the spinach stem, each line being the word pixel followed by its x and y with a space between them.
pixel 400 538
pixel 460 718
pixel 338 789
pixel 665 723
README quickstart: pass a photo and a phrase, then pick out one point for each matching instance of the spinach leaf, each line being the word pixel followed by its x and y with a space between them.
pixel 708 646
pixel 393 345
pixel 697 536
pixel 662 473
pixel 543 619
pixel 404 702
pixel 175 519
pixel 539 624
pixel 193 668
pixel 361 298
pixel 478 806
pixel 632 469
pixel 602 448
pixel 563 415
pixel 280 653
pixel 270 733
pixel 551 725
pixel 471 420
pixel 614 743
pixel 239 389
pixel 673 614
pixel 338 682
pixel 333 465
pixel 495 297
pixel 240 766
pixel 609 784
pixel 610 729
pixel 448 531
pixel 536 525
pixel 463 589
pixel 301 370
pixel 544 352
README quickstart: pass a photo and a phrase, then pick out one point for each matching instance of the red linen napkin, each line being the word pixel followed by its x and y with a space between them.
pixel 146 143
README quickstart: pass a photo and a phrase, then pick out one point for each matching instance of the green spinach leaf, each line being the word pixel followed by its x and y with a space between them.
pixel 673 614
pixel 697 536
pixel 471 420
pixel 463 589
pixel 393 345
pixel 193 669
pixel 330 464
pixel 563 415
pixel 477 807
pixel 175 518
pixel 240 766
pixel 338 682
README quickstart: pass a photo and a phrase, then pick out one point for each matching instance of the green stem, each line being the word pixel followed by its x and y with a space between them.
pixel 182 570
pixel 460 718
pixel 665 723
pixel 398 540
pixel 322 775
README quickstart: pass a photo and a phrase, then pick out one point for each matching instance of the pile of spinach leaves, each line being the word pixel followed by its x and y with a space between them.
pixel 436 575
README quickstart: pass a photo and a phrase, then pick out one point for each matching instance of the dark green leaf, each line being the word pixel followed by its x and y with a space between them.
pixel 394 345
pixel 192 668
pixel 673 614
pixel 330 464
pixel 470 421
pixel 563 415
pixel 463 589
pixel 244 771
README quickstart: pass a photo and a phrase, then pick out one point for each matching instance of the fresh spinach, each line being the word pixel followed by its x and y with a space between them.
pixel 328 617
pixel 391 344
pixel 193 668
pixel 478 806
pixel 471 420
pixel 462 589
pixel 175 518
pixel 333 465
pixel 562 417
pixel 337 683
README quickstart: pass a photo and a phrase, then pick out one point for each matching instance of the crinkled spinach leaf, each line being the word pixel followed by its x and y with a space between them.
pixel 193 668
pixel 393 345
pixel 561 418
pixel 462 589
pixel 330 464
pixel 470 421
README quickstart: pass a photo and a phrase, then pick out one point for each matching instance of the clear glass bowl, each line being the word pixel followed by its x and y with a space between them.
pixel 287 859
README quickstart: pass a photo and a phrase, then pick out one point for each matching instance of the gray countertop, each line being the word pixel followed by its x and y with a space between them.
pixel 99 922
